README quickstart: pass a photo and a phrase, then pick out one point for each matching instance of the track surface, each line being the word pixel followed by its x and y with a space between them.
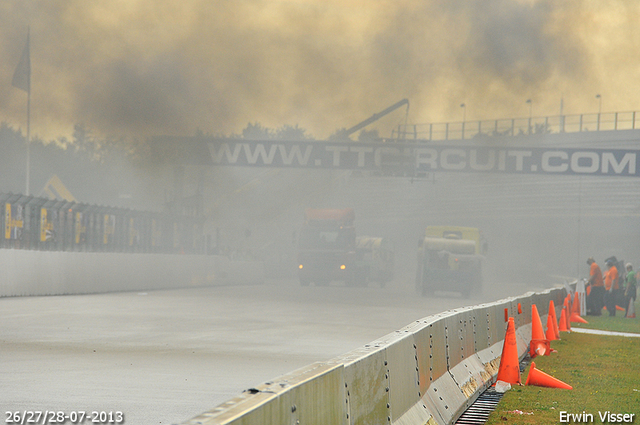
pixel 162 357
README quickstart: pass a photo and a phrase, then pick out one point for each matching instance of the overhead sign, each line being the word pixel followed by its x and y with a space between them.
pixel 421 158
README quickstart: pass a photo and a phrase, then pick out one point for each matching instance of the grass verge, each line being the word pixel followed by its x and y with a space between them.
pixel 618 323
pixel 603 371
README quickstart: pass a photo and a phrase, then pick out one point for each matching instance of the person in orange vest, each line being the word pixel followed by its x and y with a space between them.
pixel 611 287
pixel 595 299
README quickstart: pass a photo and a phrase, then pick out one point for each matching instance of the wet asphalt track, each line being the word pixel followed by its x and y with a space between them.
pixel 162 357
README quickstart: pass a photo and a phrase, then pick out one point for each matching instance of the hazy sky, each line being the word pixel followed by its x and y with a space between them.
pixel 139 67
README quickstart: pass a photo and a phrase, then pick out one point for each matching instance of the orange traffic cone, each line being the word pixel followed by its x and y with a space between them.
pixel 551 334
pixel 552 313
pixel 620 308
pixel 563 321
pixel 539 378
pixel 631 312
pixel 539 345
pixel 509 370
pixel 576 318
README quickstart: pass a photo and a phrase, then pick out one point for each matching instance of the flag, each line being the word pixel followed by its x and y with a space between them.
pixel 22 75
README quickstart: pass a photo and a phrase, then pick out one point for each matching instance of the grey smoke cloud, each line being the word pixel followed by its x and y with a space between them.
pixel 141 68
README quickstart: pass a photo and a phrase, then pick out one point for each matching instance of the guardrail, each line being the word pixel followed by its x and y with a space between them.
pixel 428 372
pixel 38 273
pixel 463 130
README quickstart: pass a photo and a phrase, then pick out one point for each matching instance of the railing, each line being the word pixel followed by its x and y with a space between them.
pixel 42 224
pixel 462 130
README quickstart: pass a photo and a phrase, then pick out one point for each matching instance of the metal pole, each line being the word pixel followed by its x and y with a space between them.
pixel 28 140
pixel 599 109
pixel 464 117
pixel 579 221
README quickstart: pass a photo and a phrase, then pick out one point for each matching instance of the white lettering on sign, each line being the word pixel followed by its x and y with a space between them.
pixel 224 150
pixel 628 159
pixel 427 156
pixel 453 159
pixel 431 158
pixel 579 165
pixel 336 153
pixel 361 151
pixel 547 159
pixel 252 157
pixel 489 165
pixel 287 159
pixel 519 156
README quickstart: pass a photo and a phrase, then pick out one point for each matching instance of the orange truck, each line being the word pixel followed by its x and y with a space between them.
pixel 327 247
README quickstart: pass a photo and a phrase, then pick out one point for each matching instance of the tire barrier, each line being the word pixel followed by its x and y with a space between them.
pixel 62 273
pixel 428 372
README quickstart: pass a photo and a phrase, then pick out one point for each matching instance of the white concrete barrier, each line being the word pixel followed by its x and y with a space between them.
pixel 428 372
pixel 25 272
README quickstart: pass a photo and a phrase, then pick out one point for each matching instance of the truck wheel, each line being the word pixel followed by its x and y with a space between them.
pixel 363 277
pixel 358 278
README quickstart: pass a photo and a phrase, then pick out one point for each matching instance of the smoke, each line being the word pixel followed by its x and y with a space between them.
pixel 137 68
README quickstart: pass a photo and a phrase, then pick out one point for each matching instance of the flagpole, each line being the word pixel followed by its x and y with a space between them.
pixel 28 113
pixel 28 136
pixel 22 80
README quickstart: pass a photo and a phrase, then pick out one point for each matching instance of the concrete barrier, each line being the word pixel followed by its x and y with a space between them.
pixel 428 372
pixel 27 272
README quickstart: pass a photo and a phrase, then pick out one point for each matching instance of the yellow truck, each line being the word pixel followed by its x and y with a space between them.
pixel 450 259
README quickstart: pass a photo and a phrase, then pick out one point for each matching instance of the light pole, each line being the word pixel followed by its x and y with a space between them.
pixel 599 109
pixel 530 102
pixel 464 117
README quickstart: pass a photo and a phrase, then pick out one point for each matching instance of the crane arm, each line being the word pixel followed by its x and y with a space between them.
pixel 376 117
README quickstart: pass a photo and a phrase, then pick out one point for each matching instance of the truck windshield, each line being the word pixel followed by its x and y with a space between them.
pixel 320 238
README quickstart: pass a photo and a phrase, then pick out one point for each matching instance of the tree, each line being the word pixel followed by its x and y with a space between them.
pixel 287 132
pixel 256 132
pixel 368 136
